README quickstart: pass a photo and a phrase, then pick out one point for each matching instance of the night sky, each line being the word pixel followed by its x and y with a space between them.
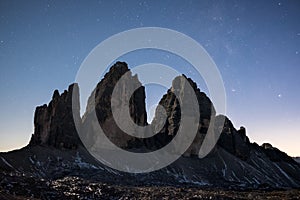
pixel 255 44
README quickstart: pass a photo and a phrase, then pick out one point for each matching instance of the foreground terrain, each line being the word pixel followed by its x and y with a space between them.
pixel 17 186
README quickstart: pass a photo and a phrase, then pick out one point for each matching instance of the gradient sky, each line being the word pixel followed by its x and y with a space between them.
pixel 255 44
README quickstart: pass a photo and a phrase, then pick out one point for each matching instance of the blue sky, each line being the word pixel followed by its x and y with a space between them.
pixel 255 44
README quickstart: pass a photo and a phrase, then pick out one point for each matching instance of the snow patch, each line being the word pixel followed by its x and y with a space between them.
pixel 285 174
pixel 112 171
pixel 81 164
pixel 234 176
pixel 32 161
pixel 292 166
pixel 255 179
pixel 7 163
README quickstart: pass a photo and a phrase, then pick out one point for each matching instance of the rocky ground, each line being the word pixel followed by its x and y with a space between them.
pixel 19 186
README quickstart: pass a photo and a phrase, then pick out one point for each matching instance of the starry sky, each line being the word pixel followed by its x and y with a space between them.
pixel 255 44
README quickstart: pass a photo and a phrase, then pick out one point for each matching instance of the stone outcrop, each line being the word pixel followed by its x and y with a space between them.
pixel 234 141
pixel 172 107
pixel 54 123
pixel 275 154
pixel 101 100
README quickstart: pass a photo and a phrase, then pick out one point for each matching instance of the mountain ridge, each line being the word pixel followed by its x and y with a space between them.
pixel 55 150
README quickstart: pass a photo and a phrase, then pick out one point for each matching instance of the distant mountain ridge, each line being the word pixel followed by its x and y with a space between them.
pixel 55 149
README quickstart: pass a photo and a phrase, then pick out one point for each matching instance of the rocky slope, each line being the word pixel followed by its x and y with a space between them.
pixel 297 159
pixel 55 151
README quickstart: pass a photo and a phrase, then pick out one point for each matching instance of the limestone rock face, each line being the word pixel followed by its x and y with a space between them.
pixel 234 141
pixel 101 101
pixel 172 107
pixel 54 123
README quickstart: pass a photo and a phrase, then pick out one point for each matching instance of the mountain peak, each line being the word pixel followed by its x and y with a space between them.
pixel 234 160
pixel 54 124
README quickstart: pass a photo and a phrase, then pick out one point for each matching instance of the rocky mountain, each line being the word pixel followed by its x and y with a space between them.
pixel 56 155
pixel 54 123
pixel 297 159
pixel 101 99
pixel 171 125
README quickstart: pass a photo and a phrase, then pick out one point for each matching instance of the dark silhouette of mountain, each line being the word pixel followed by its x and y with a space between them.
pixel 101 100
pixel 55 155
pixel 297 159
pixel 54 124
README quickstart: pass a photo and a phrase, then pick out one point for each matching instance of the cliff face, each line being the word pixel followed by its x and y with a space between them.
pixel 54 123
pixel 234 141
pixel 101 99
pixel 172 107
